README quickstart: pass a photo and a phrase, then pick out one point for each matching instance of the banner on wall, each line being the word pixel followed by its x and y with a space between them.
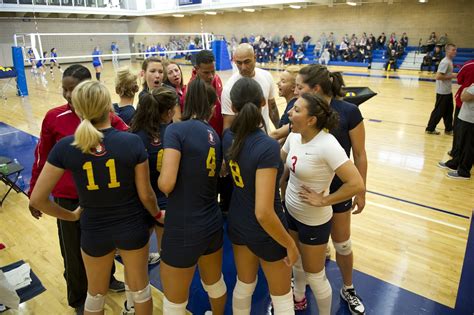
pixel 189 2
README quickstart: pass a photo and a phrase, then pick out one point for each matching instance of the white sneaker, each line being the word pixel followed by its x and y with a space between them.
pixel 154 258
pixel 126 311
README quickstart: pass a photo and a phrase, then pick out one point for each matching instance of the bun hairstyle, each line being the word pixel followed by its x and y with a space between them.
pixel 246 96
pixel 145 65
pixel 326 117
pixel 151 107
pixel 200 98
pixel 126 83
pixel 337 84
pixel 92 103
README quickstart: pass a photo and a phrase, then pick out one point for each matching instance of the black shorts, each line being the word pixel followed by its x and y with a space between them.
pixel 173 252
pixel 342 206
pixel 307 234
pixel 100 243
pixel 269 251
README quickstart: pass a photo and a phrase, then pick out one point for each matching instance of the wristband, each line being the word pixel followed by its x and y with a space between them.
pixel 158 215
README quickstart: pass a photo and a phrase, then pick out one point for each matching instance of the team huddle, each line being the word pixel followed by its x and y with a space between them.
pixel 187 154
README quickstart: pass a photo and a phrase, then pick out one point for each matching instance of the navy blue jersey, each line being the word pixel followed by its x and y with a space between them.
pixel 284 120
pixel 154 148
pixel 125 112
pixel 193 212
pixel 259 152
pixel 349 118
pixel 105 180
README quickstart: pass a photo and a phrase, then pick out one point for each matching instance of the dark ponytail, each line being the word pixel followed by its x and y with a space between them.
pixel 246 96
pixel 337 84
pixel 317 75
pixel 200 97
pixel 326 117
pixel 78 72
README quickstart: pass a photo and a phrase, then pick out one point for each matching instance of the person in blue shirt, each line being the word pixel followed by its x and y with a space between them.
pixel 53 61
pixel 40 64
pixel 126 87
pixel 193 227
pixel 110 171
pixel 257 225
pixel 97 62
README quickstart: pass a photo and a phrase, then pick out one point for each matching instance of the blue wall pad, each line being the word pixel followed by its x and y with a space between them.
pixel 219 48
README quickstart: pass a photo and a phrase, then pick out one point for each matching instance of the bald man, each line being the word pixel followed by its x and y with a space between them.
pixel 245 60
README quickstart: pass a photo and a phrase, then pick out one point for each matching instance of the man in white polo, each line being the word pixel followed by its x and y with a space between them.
pixel 245 60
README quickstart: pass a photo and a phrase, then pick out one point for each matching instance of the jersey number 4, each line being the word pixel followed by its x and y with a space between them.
pixel 235 170
pixel 91 185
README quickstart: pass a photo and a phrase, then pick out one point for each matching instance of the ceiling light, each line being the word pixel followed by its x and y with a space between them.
pixel 293 6
pixel 178 15
pixel 249 10
pixel 423 1
pixel 352 3
pixel 210 12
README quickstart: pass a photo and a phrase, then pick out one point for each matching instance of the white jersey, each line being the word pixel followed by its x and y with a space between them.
pixel 312 164
pixel 264 78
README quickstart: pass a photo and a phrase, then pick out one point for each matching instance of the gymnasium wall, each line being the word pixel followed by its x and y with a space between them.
pixel 454 17
pixel 67 45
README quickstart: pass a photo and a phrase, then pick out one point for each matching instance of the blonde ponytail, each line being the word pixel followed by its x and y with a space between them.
pixel 91 101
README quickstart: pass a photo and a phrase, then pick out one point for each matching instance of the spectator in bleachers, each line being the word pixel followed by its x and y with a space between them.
pixel 331 37
pixel 400 50
pixel 318 48
pixel 431 42
pixel 291 40
pixel 331 47
pixel 344 50
pixel 393 39
pixel 371 43
pixel 323 39
pixel 306 41
pixel 426 63
pixel 391 56
pixel 381 41
pixel 244 39
pixel 436 57
pixel 442 41
pixel 372 39
pixel 404 40
pixel 251 39
pixel 345 38
pixel 363 41
pixel 299 56
pixel 325 57
pixel 353 53
pixel 368 55
pixel 353 40
pixel 289 57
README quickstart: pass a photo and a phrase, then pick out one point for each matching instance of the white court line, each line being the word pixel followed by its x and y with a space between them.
pixel 7 133
pixel 417 216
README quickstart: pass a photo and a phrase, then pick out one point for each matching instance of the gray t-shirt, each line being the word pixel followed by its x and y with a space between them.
pixel 467 109
pixel 444 86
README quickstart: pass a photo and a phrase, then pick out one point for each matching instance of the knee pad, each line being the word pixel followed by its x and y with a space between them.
pixel 217 289
pixel 94 303
pixel 141 296
pixel 283 304
pixel 344 248
pixel 170 308
pixel 319 284
pixel 242 297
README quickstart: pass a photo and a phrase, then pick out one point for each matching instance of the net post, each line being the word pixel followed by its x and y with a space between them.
pixel 19 65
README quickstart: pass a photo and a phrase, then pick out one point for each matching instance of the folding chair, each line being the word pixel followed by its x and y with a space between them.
pixel 9 174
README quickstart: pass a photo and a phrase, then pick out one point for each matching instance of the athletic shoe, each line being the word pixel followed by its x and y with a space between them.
pixel 353 301
pixel 328 252
pixel 455 175
pixel 444 166
pixel 116 286
pixel 449 133
pixel 126 311
pixel 434 132
pixel 154 258
pixel 79 310
pixel 300 305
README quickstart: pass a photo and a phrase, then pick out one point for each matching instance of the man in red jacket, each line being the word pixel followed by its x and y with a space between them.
pixel 465 79
pixel 58 123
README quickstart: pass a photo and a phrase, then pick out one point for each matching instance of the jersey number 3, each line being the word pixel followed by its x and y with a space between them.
pixel 91 185
pixel 235 170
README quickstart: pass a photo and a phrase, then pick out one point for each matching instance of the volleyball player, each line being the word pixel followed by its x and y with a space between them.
pixel 194 228
pixel 152 74
pixel 312 156
pixel 125 86
pixel 54 62
pixel 350 133
pixel 257 224
pixel 97 62
pixel 110 171
pixel 173 77
pixel 40 64
pixel 58 123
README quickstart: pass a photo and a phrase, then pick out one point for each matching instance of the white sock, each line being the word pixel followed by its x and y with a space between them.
pixel 347 287
pixel 321 290
pixel 129 297
pixel 170 308
pixel 283 304
pixel 299 275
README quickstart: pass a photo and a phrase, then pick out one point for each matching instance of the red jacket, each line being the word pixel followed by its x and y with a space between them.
pixel 217 121
pixel 465 79
pixel 58 123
